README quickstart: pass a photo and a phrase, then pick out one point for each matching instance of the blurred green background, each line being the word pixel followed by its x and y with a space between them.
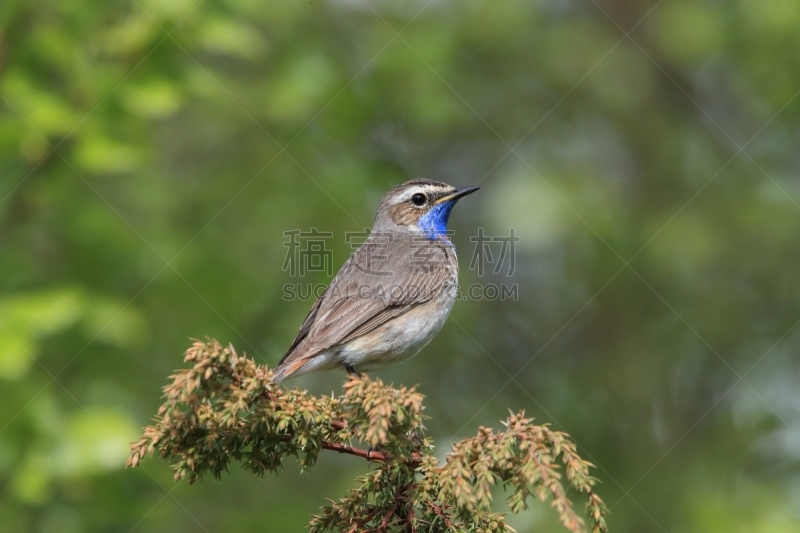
pixel 153 153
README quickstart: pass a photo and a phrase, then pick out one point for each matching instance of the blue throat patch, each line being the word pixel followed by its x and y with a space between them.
pixel 434 222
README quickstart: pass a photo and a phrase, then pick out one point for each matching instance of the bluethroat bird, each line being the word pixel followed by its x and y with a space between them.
pixel 393 294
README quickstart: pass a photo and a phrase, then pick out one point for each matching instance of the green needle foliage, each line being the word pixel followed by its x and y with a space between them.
pixel 226 409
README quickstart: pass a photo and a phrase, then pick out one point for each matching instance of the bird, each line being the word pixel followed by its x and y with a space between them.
pixel 394 293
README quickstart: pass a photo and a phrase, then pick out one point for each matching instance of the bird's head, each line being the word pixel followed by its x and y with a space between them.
pixel 420 205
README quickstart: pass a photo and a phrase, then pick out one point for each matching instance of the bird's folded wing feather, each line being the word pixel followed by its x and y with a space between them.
pixel 361 299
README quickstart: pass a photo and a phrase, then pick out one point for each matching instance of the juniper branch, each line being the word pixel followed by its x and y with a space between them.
pixel 225 409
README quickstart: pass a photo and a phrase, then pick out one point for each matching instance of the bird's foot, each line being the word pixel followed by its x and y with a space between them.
pixel 371 450
pixel 352 371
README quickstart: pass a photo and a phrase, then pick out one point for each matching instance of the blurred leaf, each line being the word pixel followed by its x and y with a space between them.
pixel 297 90
pixel 94 441
pixel 42 313
pixel 688 244
pixel 173 10
pixel 130 35
pixel 781 16
pixel 44 113
pixel 31 483
pixel 15 358
pixel 690 32
pixel 102 155
pixel 154 99
pixel 26 318
pixel 226 36
pixel 530 206
pixel 114 323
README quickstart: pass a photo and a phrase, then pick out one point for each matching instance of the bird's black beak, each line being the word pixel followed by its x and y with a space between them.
pixel 463 191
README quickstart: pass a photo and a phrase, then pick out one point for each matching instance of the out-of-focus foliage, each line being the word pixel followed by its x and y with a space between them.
pixel 653 185
pixel 226 408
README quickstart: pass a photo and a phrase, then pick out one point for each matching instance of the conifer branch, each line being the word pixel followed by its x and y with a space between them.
pixel 225 409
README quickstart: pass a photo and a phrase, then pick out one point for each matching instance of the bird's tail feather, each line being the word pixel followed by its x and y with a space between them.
pixel 286 369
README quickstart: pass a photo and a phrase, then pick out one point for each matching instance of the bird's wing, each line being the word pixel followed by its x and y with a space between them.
pixel 306 326
pixel 363 296
pixel 379 318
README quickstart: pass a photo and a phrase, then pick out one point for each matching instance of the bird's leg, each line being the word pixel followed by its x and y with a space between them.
pixel 351 370
pixel 373 449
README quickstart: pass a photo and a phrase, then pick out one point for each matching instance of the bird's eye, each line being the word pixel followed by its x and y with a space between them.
pixel 418 199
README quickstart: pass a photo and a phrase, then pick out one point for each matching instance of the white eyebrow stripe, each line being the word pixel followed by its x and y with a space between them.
pixel 406 195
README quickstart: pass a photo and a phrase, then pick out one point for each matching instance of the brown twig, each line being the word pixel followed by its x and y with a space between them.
pixel 360 523
pixel 370 455
pixel 386 517
pixel 438 510
pixel 359 452
pixel 410 515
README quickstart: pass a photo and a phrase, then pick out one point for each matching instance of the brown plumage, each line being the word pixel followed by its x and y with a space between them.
pixel 390 297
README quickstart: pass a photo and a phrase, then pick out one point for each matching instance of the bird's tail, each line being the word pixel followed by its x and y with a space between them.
pixel 286 369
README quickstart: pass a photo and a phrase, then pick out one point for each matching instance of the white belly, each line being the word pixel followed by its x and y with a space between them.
pixel 398 339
